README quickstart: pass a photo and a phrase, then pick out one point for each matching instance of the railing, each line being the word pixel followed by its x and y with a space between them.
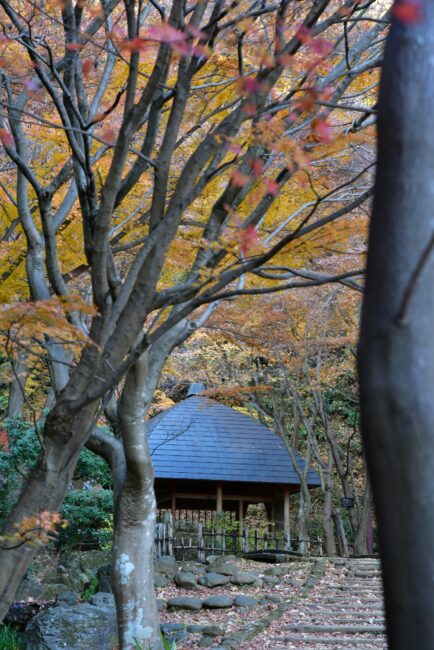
pixel 202 540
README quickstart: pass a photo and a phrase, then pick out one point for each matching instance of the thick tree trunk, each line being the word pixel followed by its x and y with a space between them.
pixel 396 354
pixel 135 518
pixel 43 491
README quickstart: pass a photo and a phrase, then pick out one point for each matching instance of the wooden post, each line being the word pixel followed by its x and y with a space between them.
pixel 286 520
pixel 173 505
pixel 240 513
pixel 219 499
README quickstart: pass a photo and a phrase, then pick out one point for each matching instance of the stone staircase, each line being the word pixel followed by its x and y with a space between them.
pixel 343 612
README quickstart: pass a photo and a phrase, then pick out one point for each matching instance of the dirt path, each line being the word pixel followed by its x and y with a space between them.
pixel 344 611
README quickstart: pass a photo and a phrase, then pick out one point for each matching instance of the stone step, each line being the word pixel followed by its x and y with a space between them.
pixel 345 629
pixel 332 640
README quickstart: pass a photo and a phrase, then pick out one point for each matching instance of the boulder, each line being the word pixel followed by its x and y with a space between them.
pixel 67 598
pixel 165 564
pixel 75 628
pixel 185 602
pixel 30 588
pixel 78 568
pixel 218 602
pixel 160 580
pixel 213 580
pixel 186 580
pixel 243 578
pixel 193 567
pixel 245 601
pixel 225 567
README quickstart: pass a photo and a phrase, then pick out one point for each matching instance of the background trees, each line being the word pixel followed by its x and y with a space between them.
pixel 156 158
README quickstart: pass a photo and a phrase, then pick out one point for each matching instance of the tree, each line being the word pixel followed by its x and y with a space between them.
pixel 113 192
pixel 396 355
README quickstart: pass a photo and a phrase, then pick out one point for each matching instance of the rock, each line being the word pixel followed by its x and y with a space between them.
pixel 30 588
pixel 160 604
pixel 177 636
pixel 75 628
pixel 186 580
pixel 273 571
pixel 101 599
pixel 258 584
pixel 226 568
pixel 78 568
pixel 160 580
pixel 165 564
pixel 271 598
pixel 218 602
pixel 185 602
pixel 213 580
pixel 212 630
pixel 243 578
pixel 105 580
pixel 67 598
pixel 271 580
pixel 169 628
pixel 52 591
pixel 21 613
pixel 205 642
pixel 245 601
pixel 193 567
pixel 194 628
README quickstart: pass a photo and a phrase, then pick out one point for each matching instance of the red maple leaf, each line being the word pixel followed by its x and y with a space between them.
pixel 248 239
pixel 408 11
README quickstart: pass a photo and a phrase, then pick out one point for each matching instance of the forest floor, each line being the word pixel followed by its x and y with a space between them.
pixel 324 605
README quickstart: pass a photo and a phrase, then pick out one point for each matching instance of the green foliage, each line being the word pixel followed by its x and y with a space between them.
pixel 92 588
pixel 88 512
pixel 10 638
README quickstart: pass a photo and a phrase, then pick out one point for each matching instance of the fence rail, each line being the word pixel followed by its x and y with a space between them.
pixel 201 541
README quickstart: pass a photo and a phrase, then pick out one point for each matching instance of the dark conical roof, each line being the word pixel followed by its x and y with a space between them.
pixel 200 439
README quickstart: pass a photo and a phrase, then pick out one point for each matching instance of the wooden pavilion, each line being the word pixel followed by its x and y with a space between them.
pixel 208 456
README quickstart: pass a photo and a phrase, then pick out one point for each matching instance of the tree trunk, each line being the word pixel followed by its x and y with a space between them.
pixel 396 353
pixel 16 390
pixel 327 519
pixel 134 524
pixel 365 521
pixel 43 491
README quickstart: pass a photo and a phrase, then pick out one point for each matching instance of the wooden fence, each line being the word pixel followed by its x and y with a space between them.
pixel 202 540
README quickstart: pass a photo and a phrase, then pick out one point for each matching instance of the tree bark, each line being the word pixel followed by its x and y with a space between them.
pixel 327 520
pixel 134 523
pixel 364 522
pixel 16 391
pixel 43 491
pixel 396 353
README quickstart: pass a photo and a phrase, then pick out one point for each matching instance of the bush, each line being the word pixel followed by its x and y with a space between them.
pixel 88 511
pixel 10 638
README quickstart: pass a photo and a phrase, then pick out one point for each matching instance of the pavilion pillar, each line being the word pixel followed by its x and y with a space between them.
pixel 240 513
pixel 286 520
pixel 173 504
pixel 219 499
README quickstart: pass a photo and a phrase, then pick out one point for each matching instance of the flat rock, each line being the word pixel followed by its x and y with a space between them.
pixel 273 571
pixel 185 602
pixel 205 642
pixel 243 578
pixel 194 628
pixel 213 580
pixel 218 602
pixel 245 601
pixel 212 630
pixel 271 598
pixel 186 580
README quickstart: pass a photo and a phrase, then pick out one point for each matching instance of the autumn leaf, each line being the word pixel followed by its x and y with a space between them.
pixel 408 11
pixel 248 238
pixel 238 179
pixel 6 138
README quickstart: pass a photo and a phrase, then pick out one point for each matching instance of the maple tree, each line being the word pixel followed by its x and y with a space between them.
pixel 156 157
